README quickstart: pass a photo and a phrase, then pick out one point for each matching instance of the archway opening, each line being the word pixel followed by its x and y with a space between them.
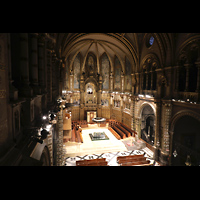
pixel 186 139
pixel 90 94
pixel 148 124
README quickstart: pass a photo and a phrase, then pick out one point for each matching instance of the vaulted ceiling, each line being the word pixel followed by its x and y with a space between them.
pixel 132 45
pixel 113 44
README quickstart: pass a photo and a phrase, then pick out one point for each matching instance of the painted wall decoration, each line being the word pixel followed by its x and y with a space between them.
pixel 67 75
pixel 105 72
pixel 128 78
pixel 91 67
pixel 117 75
pixel 77 69
pixel 90 94
pixel 117 103
pixel 104 102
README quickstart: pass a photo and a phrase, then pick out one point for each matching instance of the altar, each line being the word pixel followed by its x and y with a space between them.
pixel 98 136
pixel 90 116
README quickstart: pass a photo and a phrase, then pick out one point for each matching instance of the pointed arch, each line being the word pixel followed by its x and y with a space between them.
pixel 105 71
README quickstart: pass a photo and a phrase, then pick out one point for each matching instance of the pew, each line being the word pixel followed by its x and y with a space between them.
pixel 128 134
pixel 114 133
pixel 132 160
pixel 73 139
pixel 137 163
pixel 119 132
pixel 92 162
pixel 131 157
pixel 83 124
pixel 128 129
pixel 78 135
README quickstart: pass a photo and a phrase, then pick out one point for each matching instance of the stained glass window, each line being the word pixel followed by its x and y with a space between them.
pixel 151 40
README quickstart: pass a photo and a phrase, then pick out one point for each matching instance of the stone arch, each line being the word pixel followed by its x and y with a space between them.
pixel 147 123
pixel 142 107
pixel 150 58
pixel 139 124
pixel 182 139
pixel 178 115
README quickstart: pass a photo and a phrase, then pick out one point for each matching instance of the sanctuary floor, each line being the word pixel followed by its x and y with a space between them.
pixel 108 149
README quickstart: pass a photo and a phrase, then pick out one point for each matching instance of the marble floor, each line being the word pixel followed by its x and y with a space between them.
pixel 111 157
pixel 88 146
pixel 109 149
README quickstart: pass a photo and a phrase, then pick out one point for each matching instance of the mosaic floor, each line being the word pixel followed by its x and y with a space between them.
pixel 111 157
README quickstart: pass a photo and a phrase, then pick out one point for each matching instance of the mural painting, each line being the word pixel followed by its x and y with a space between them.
pixel 117 78
pixel 77 68
pixel 128 80
pixel 105 72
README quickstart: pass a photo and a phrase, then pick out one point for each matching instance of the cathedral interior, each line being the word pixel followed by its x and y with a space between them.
pixel 143 89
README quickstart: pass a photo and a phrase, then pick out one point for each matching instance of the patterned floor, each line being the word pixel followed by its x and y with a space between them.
pixel 111 157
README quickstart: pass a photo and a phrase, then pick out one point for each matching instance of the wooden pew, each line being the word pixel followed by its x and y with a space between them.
pixel 80 133
pixel 92 162
pixel 132 160
pixel 128 129
pixel 73 139
pixel 119 132
pixel 114 133
pixel 131 157
pixel 128 134
pixel 138 163
pixel 83 123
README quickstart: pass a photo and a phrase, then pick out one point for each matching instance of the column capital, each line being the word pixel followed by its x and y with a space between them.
pixel 187 65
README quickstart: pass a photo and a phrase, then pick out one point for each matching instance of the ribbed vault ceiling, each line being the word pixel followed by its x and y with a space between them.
pixel 98 43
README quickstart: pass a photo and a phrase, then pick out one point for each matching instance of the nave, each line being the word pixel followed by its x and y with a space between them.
pixel 110 149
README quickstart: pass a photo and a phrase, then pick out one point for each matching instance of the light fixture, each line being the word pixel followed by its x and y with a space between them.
pixel 48 127
pixel 140 95
pixel 188 161
pixel 44 117
pixel 148 96
pixel 175 153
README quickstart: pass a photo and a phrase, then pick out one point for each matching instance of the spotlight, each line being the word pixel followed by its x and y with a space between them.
pixel 44 117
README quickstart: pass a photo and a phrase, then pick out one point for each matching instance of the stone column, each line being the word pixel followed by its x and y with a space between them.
pixel 122 108
pixel 49 76
pixel 122 82
pixel 147 77
pixel 71 80
pixel 177 78
pixel 198 76
pixel 132 108
pixel 34 63
pixel 82 97
pixel 111 81
pixel 99 97
pixel 151 87
pixel 41 64
pixel 157 122
pixel 59 140
pixel 157 129
pixel 187 66
pixel 25 90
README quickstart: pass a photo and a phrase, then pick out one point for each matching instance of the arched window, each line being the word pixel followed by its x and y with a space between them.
pixel 151 40
pixel 128 79
pixel 105 69
pixel 117 76
pixel 77 69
